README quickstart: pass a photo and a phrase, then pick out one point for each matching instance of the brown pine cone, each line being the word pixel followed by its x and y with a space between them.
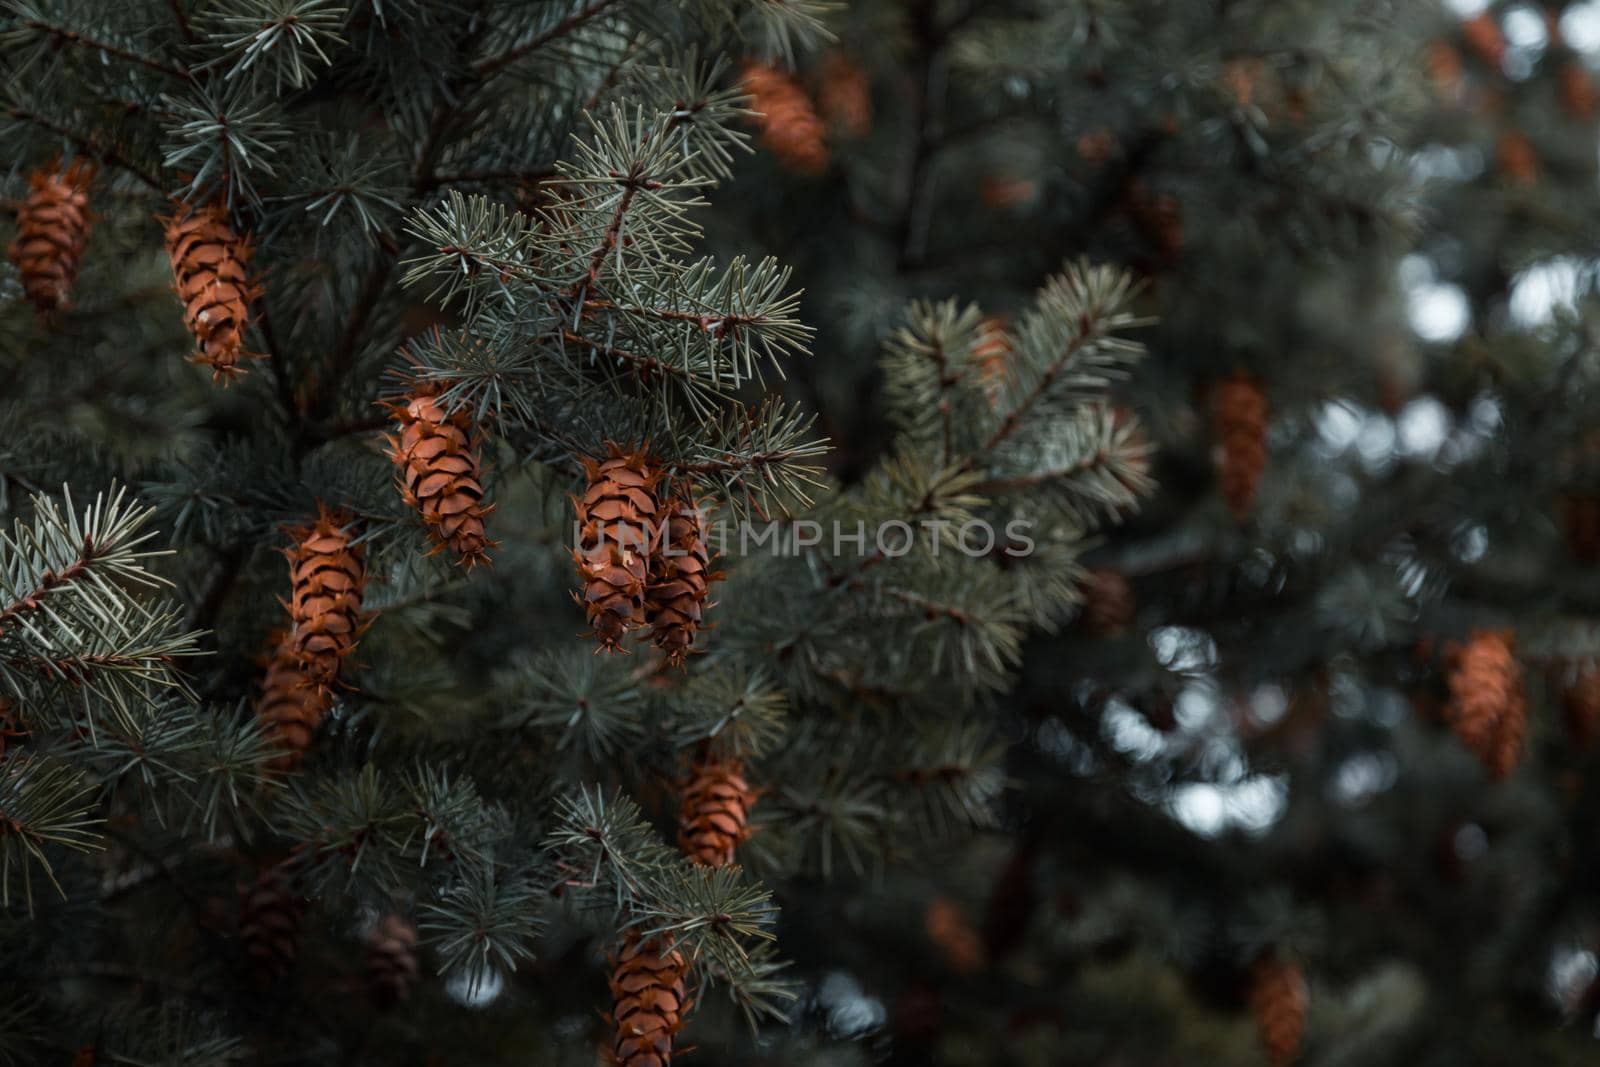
pixel 845 95
pixel 53 225
pixel 1516 160
pixel 211 272
pixel 327 573
pixel 790 127
pixel 1577 91
pixel 269 925
pixel 680 578
pixel 1158 217
pixel 714 818
pixel 649 999
pixel 1488 710
pixel 291 704
pixel 391 959
pixel 1239 416
pixel 437 453
pixel 1580 705
pixel 1279 1001
pixel 1109 604
pixel 953 934
pixel 991 354
pixel 618 521
pixel 1482 35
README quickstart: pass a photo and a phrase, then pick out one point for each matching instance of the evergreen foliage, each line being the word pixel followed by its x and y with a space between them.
pixel 1143 632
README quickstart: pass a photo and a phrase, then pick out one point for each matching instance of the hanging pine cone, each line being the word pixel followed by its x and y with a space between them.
pixel 269 925
pixel 1580 705
pixel 1483 36
pixel 845 95
pixel 291 704
pixel 1279 1001
pixel 1487 709
pixel 680 578
pixel 1577 91
pixel 991 354
pixel 1109 604
pixel 649 999
pixel 437 454
pixel 714 818
pixel 1158 218
pixel 953 934
pixel 327 573
pixel 790 127
pixel 391 959
pixel 1239 413
pixel 1516 160
pixel 618 521
pixel 211 271
pixel 52 231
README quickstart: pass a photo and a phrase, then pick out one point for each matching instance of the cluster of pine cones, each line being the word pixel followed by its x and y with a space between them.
pixel 649 989
pixel 793 127
pixel 642 561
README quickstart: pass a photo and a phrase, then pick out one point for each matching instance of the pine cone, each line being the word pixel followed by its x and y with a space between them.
pixel 291 704
pixel 437 454
pixel 845 95
pixel 790 127
pixel 1109 604
pixel 953 934
pixel 327 573
pixel 1577 91
pixel 991 354
pixel 618 523
pixel 1487 709
pixel 715 813
pixel 52 231
pixel 1516 159
pixel 680 578
pixel 1279 1001
pixel 649 999
pixel 269 926
pixel 1158 217
pixel 1482 35
pixel 1239 413
pixel 211 271
pixel 1580 704
pixel 392 958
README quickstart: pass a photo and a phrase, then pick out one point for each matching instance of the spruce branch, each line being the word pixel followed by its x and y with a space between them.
pixel 589 702
pixel 485 921
pixel 283 39
pixel 43 804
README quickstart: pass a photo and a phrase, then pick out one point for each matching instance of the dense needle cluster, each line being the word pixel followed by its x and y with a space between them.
pixel 52 231
pixel 211 274
pixel 1488 710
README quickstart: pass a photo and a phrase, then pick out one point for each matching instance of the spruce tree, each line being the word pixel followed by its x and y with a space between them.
pixel 907 531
